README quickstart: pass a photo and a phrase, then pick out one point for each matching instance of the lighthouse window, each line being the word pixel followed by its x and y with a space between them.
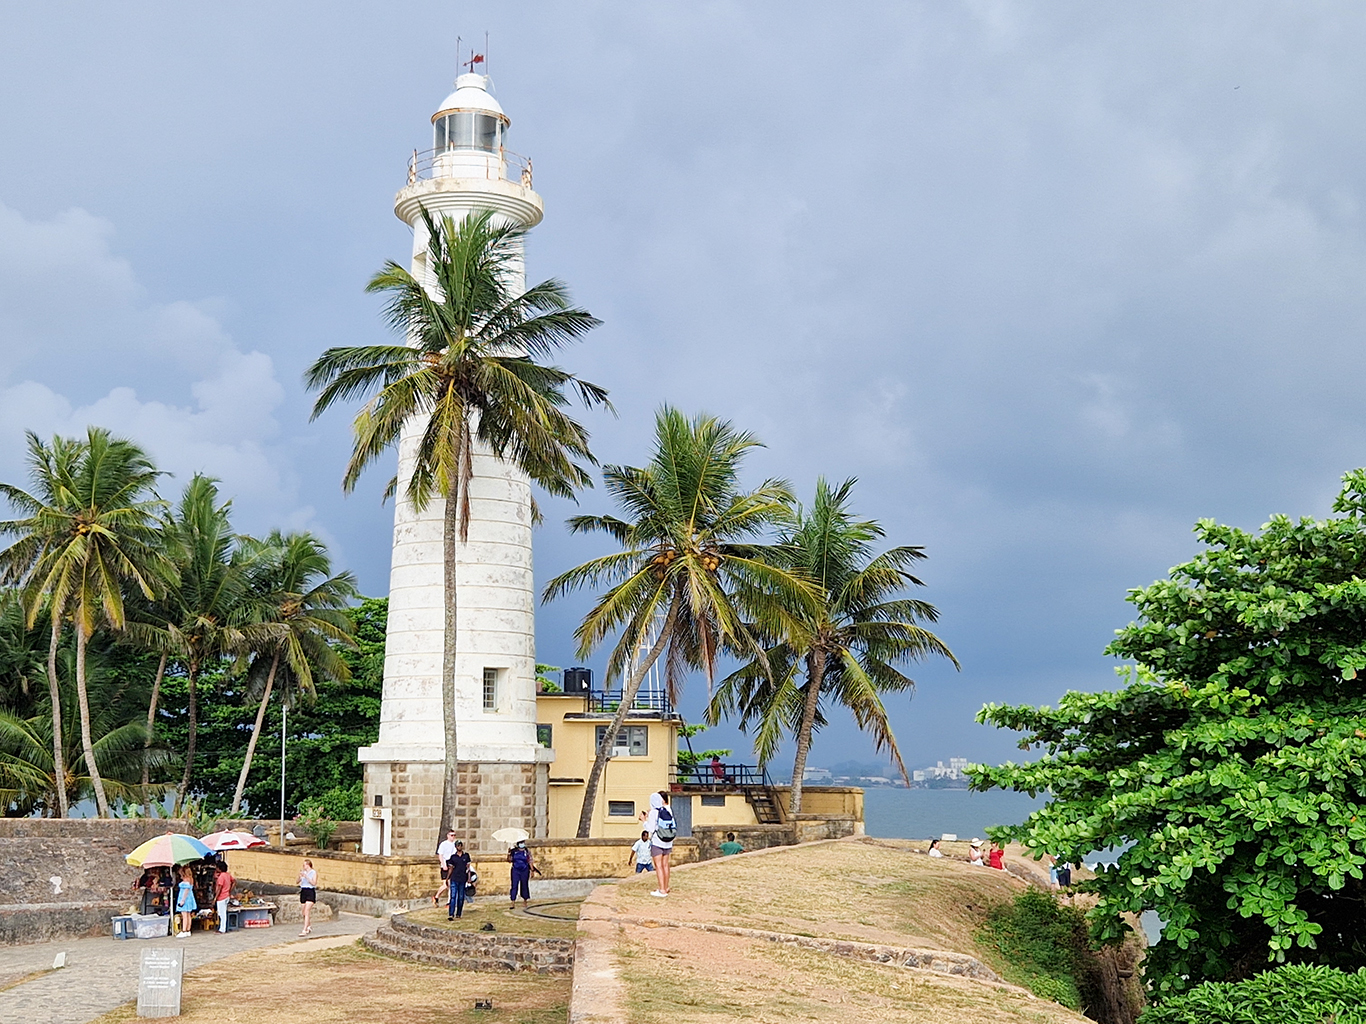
pixel 467 130
pixel 490 689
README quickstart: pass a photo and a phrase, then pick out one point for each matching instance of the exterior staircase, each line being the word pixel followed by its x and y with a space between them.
pixel 768 809
pixel 471 951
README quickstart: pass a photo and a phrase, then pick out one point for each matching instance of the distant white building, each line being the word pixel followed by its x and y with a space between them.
pixel 918 776
pixel 816 775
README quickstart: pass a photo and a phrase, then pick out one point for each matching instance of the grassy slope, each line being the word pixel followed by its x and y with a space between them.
pixel 874 891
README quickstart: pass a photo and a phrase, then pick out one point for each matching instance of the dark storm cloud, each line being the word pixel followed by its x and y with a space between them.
pixel 1053 282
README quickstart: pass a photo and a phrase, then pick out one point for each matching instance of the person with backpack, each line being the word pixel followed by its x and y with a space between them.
pixel 522 869
pixel 663 831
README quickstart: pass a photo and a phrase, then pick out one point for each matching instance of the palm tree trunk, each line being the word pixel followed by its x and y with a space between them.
pixel 450 788
pixel 151 725
pixel 87 744
pixel 192 677
pixel 815 675
pixel 58 757
pixel 255 734
pixel 609 738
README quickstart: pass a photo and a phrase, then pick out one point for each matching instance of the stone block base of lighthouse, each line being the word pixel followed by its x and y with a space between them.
pixel 493 794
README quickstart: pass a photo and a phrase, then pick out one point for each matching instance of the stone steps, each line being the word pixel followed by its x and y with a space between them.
pixel 471 951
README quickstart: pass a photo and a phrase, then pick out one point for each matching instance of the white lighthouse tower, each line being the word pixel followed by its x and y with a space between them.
pixel 502 767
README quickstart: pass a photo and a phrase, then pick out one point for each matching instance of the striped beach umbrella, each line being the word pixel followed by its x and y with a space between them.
pixel 232 841
pixel 168 850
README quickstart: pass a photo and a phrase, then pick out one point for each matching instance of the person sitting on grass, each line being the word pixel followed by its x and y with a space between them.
pixel 640 852
pixel 730 847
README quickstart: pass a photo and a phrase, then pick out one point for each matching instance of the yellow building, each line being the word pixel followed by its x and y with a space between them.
pixel 644 762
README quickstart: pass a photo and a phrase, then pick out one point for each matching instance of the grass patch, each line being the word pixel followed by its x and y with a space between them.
pixel 1042 944
pixel 1294 994
pixel 349 984
pixel 505 920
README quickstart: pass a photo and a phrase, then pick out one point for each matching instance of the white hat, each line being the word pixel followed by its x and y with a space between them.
pixel 977 842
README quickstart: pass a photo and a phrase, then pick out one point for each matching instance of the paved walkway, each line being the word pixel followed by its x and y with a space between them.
pixel 101 974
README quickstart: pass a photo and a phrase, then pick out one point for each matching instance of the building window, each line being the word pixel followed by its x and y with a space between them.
pixel 543 735
pixel 636 738
pixel 621 808
pixel 490 689
pixel 713 801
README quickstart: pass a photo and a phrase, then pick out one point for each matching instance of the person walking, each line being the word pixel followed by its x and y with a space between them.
pixel 640 852
pixel 523 867
pixel 222 892
pixel 444 850
pixel 457 875
pixel 308 893
pixel 185 903
pixel 730 847
pixel 660 824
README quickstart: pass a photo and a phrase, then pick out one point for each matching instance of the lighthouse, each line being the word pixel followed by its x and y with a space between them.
pixel 503 769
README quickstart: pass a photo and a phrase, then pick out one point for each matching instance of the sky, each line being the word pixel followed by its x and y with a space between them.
pixel 1052 281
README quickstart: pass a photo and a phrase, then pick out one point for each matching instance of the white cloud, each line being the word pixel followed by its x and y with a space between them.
pixel 83 344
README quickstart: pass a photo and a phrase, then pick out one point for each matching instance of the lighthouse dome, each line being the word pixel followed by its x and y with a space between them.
pixel 469 118
pixel 471 93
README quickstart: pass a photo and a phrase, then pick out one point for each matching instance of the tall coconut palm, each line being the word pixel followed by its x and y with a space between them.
pixel 38 533
pixel 305 613
pixel 81 549
pixel 690 578
pixel 209 606
pixel 473 372
pixel 845 649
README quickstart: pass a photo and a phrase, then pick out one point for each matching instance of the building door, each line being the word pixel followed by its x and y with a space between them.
pixel 682 808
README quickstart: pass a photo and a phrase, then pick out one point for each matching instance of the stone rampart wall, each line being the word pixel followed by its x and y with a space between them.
pixel 84 854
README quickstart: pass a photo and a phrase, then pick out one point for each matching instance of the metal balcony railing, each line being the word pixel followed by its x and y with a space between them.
pixel 717 776
pixel 502 164
pixel 606 702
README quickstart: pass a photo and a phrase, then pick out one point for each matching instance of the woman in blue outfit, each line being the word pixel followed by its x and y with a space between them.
pixel 185 903
pixel 522 869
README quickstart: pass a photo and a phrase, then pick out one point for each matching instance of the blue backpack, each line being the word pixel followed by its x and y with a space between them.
pixel 665 829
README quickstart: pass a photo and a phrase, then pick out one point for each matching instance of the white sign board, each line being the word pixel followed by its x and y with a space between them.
pixel 159 982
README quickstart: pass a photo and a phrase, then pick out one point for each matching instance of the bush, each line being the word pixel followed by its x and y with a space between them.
pixel 319 826
pixel 1044 942
pixel 342 803
pixel 1294 994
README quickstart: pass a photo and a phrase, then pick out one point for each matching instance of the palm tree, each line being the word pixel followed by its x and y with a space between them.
pixel 22 653
pixel 37 535
pixel 691 577
pixel 209 606
pixel 846 646
pixel 472 373
pixel 305 612
pixel 98 536
pixel 28 778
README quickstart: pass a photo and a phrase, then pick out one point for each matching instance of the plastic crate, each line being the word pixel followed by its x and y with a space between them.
pixel 123 926
pixel 257 922
pixel 152 926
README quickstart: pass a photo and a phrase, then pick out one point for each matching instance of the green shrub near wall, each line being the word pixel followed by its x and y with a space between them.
pixel 1294 994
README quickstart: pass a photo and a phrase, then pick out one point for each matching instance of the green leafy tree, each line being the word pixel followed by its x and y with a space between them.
pixel 304 614
pixel 1231 769
pixel 90 532
pixel 842 649
pixel 474 373
pixel 691 578
pixel 23 655
pixel 323 735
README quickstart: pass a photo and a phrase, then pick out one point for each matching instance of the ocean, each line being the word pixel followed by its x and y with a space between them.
pixel 926 813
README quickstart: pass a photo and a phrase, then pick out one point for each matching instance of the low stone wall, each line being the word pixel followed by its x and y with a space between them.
pixel 416 878
pixel 471 951
pixel 86 854
pixel 808 828
pixel 43 922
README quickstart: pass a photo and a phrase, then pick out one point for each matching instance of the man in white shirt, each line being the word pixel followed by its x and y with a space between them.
pixel 444 852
